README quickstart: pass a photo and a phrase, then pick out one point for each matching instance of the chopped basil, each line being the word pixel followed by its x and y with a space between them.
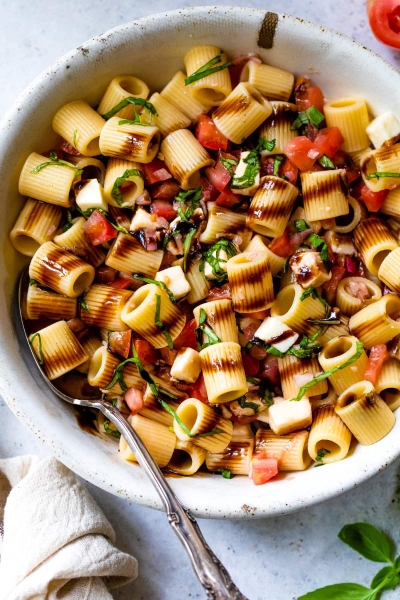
pixel 118 227
pixel 160 284
pixel 88 212
pixel 261 344
pixel 264 144
pixel 243 404
pixel 322 452
pixel 213 258
pixel 54 160
pixel 226 474
pixel 109 428
pixel 326 162
pixel 187 244
pixel 301 225
pixel 229 163
pixel 32 282
pixel 267 399
pixel 125 102
pixel 285 265
pixel 39 337
pixel 82 303
pixel 114 401
pixel 191 199
pixel 74 138
pixel 382 174
pixel 252 161
pixel 277 163
pixel 252 380
pixel 203 328
pixel 160 324
pixel 208 69
pixel 68 223
pixel 312 291
pixel 116 192
pixel 319 244
pixel 311 115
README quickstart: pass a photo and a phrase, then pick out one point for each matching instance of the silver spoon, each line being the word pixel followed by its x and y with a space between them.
pixel 210 571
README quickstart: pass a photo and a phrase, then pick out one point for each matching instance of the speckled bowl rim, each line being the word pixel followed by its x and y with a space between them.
pixel 220 498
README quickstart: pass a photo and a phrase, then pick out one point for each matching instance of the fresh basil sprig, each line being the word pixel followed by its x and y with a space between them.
pixel 208 69
pixel 160 284
pixel 325 162
pixel 313 292
pixel 116 192
pixel 213 257
pixel 204 328
pixel 125 102
pixel 55 161
pixel 187 244
pixel 191 199
pixel 311 115
pixel 160 324
pixel 252 161
pixel 382 174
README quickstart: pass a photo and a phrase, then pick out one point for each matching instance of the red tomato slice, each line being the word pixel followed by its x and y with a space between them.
pixel 165 190
pixel 208 134
pixel 337 274
pixel 250 364
pixel 377 356
pixel 69 149
pixel 384 19
pixel 122 283
pixel 134 400
pixel 218 176
pixel 187 337
pixel 329 140
pixel 302 152
pixel 282 246
pixel 227 198
pixel 372 200
pixel 263 468
pixel 289 170
pixel 98 230
pixel 146 353
pixel 210 193
pixel 310 96
pixel 198 390
pixel 219 293
pixel 155 171
pixel 119 342
pixel 164 209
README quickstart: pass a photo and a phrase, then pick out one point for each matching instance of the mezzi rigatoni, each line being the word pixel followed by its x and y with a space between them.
pixel 236 457
pixel 43 303
pixel 377 323
pixel 128 255
pixel 294 372
pixel 250 280
pixel 347 302
pixel 290 450
pixel 271 206
pixel 337 352
pixel 169 117
pixel 37 223
pixel 223 371
pixel 120 88
pixel 184 157
pixel 182 97
pixel 385 162
pixel 51 184
pixel 102 367
pixel 186 458
pixel 80 125
pixel 220 317
pixel 374 240
pixel 387 385
pixel 199 419
pixel 75 241
pixel 259 244
pixel 130 142
pixel 278 126
pixel 324 194
pixel 295 312
pixel 221 220
pixel 273 83
pixel 157 438
pixel 214 88
pixel 351 116
pixel 104 307
pixel 121 172
pixel 329 437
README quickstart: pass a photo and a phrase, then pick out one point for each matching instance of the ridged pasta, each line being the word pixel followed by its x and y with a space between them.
pixel 131 378
pixel 221 221
pixel 105 305
pixel 200 418
pixel 221 319
pixel 181 96
pixel 199 286
pixel 75 241
pixel 335 353
pixel 224 376
pixel 169 118
pixel 290 450
pixel 391 206
pixel 117 167
pixel 294 312
pixel 92 168
pixel 51 184
pixel 351 116
pixel 119 88
pixel 273 83
pixel 374 240
pixel 387 385
pixel 278 126
pixel 389 271
pixel 80 125
pixel 186 458
pixel 90 342
pixel 130 142
pixel 212 89
pixel 158 439
pixel 376 323
pixel 250 281
pixel 293 372
pixel 236 458
pixel 349 304
pixel 382 160
pixel 329 433
pixel 37 223
pixel 102 367
pixel 128 255
pixel 153 410
pixel 324 194
pixel 259 244
pixel 357 213
pixel 184 157
pixel 271 206
pixel 41 303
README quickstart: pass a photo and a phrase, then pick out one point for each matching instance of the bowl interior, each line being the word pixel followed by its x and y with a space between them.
pixel 153 49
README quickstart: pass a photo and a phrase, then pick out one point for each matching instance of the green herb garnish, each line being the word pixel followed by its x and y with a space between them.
pixel 322 452
pixel 243 404
pixel 125 102
pixel 267 399
pixel 68 223
pixel 252 380
pixel 312 291
pixel 31 340
pixel 82 303
pixel 203 328
pixel 160 284
pixel 226 474
pixel 55 161
pixel 213 258
pixel 311 115
pixel 111 430
pixel 326 162
pixel 277 163
pixel 229 163
pixel 187 244
pixel 252 161
pixel 301 225
pixel 160 324
pixel 119 227
pixel 32 282
pixel 208 69
pixel 382 174
pixel 116 192
pixel 74 138
pixel 191 199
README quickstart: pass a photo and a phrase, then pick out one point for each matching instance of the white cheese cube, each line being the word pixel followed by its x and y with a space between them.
pixel 383 128
pixel 174 278
pixel 239 172
pixel 222 259
pixel 89 194
pixel 272 329
pixel 187 365
pixel 290 415
pixel 143 220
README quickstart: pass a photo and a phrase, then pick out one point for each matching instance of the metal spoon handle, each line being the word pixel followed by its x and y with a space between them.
pixel 210 571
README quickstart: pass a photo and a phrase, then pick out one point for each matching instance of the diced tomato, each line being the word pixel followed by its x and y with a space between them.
pixel 165 190
pixel 219 293
pixel 119 342
pixel 146 353
pixel 164 209
pixel 168 355
pixel 384 19
pixel 155 171
pixel 218 176
pixel 263 468
pixel 208 134
pixel 259 314
pixel 122 283
pixel 372 200
pixel 227 198
pixel 337 274
pixel 134 400
pixel 377 357
pixel 282 246
pixel 187 337
pixel 302 152
pixel 210 193
pixel 341 160
pixel 198 390
pixel 329 140
pixel 105 274
pixel 310 96
pixel 69 149
pixel 250 364
pixel 269 370
pixel 98 230
pixel 289 170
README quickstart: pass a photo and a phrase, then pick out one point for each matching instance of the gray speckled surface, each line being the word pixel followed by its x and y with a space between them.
pixel 274 559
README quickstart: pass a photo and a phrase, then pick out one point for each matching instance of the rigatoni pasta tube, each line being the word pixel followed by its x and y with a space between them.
pixel 374 240
pixel 278 126
pixel 75 241
pixel 351 116
pixel 119 88
pixel 186 458
pixel 357 213
pixel 334 354
pixel 60 270
pixel 185 157
pixel 41 303
pixel 158 439
pixel 92 168
pixel 59 348
pixel 152 409
pixel 273 83
pixel 51 184
pixel 389 271
pixel 236 457
pixel 294 312
pixel 382 160
pixel 271 206
pixel 324 194
pixel 377 323
pixel 140 314
pixel 363 411
pixel 90 342
pixel 387 385
pixel 290 450
pixel 130 142
pixel 224 376
pixel 181 96
pixel 250 281
pixel 391 206
pixel 295 372
pixel 131 378
pixel 105 305
pixel 221 319
pixel 334 331
pixel 214 88
pixel 200 418
pixel 328 432
pixel 80 125
pixel 116 168
pixel 128 255
pixel 102 367
pixel 199 286
pixel 121 217
pixel 36 224
pixel 350 304
pixel 221 221
pixel 259 244
pixel 169 118
pixel 241 113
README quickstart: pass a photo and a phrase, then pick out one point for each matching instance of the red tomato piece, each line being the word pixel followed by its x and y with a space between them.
pixel 105 274
pixel 164 209
pixel 282 246
pixel 269 370
pixel 146 353
pixel 341 160
pixel 377 357
pixel 122 283
pixel 98 230
pixel 384 19
pixel 263 468
pixel 155 171
pixel 289 170
pixel 329 140
pixel 302 152
pixel 119 342
pixel 337 274
pixel 250 364
pixel 218 176
pixel 208 134
pixel 198 390
pixel 210 193
pixel 372 200
pixel 227 198
pixel 310 96
pixel 219 293
pixel 69 149
pixel 165 190
pixel 187 337
pixel 134 400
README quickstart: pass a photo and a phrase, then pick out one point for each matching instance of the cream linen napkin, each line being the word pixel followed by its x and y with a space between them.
pixel 57 543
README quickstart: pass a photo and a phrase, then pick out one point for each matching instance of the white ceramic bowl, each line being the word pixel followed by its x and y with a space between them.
pixel 153 49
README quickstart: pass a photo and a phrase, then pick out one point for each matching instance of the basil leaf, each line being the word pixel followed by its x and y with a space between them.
pixel 213 258
pixel 312 291
pixel 311 115
pixel 340 591
pixel 119 228
pixel 31 340
pixel 82 303
pixel 191 198
pixel 267 398
pixel 325 162
pixel 130 100
pixel 203 328
pixel 301 225
pixel 160 284
pixel 277 163
pixel 74 138
pixel 116 192
pixel 161 325
pixel 264 144
pixel 207 69
pixel 367 541
pixel 378 175
pixel 187 244
pixel 226 474
pixel 111 430
pixel 54 160
pixel 386 579
pixel 229 163
pixel 322 452
pixel 32 282
pixel 243 404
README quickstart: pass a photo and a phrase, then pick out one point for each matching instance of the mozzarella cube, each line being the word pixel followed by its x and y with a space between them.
pixel 272 329
pixel 174 278
pixel 222 259
pixel 290 415
pixel 309 269
pixel 143 220
pixel 187 365
pixel 383 129
pixel 240 169
pixel 89 194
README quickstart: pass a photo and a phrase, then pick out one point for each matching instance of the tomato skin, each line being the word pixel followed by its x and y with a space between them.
pixel 372 200
pixel 134 400
pixel 311 96
pixel 282 246
pixel 198 390
pixel 219 293
pixel 210 193
pixel 218 176
pixel 329 140
pixel 165 190
pixel 227 198
pixel 289 170
pixel 377 357
pixel 337 275
pixel 384 19
pixel 164 209
pixel 98 230
pixel 155 171
pixel 302 152
pixel 263 468
pixel 208 134
pixel 250 364
pixel 146 353
pixel 119 342
pixel 187 337
pixel 121 283
pixel 341 160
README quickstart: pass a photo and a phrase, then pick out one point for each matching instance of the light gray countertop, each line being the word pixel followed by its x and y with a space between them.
pixel 275 559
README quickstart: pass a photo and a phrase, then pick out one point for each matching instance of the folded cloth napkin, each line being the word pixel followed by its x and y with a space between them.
pixel 57 543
